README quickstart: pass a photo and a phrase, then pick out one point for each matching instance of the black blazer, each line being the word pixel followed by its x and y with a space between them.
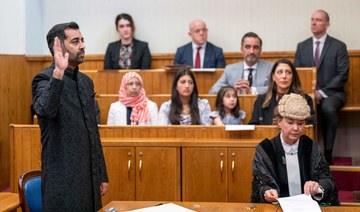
pixel 265 116
pixel 333 70
pixel 213 58
pixel 140 58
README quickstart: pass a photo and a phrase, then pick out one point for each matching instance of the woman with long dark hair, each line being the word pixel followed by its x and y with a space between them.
pixel 284 79
pixel 184 108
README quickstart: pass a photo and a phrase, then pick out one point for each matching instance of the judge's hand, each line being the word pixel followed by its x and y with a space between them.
pixel 311 188
pixel 243 84
pixel 104 188
pixel 271 195
pixel 61 60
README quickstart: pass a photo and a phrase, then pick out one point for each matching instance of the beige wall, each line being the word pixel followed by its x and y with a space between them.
pixel 164 24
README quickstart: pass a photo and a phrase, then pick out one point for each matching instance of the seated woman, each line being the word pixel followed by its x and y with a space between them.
pixel 227 108
pixel 291 163
pixel 185 107
pixel 133 107
pixel 284 79
pixel 128 52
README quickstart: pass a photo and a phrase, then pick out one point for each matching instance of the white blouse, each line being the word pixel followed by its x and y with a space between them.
pixel 117 114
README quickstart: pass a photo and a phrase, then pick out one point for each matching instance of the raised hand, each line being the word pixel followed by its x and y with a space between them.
pixel 61 60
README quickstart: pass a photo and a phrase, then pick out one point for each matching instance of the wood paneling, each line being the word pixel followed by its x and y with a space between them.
pixel 17 71
pixel 95 62
pixel 159 81
pixel 14 108
pixel 25 144
pixel 144 163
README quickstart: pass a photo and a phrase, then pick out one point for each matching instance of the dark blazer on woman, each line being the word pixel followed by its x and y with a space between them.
pixel 140 58
pixel 265 116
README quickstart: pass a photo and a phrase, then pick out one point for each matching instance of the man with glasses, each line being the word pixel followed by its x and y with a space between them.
pixel 199 53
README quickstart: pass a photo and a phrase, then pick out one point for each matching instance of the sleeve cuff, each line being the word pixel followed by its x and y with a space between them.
pixel 320 194
pixel 323 94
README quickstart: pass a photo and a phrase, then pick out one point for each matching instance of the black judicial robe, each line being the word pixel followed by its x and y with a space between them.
pixel 73 165
pixel 269 170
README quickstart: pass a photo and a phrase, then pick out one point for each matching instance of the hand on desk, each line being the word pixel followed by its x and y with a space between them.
pixel 271 195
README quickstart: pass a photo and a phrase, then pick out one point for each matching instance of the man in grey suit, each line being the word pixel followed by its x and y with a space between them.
pixel 330 57
pixel 250 76
pixel 199 53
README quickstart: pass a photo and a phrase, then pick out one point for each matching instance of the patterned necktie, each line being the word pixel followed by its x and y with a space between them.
pixel 317 54
pixel 250 77
pixel 197 58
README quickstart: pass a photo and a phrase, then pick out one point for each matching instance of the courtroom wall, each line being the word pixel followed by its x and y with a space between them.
pixel 164 24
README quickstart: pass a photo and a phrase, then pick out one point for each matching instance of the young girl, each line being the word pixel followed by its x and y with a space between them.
pixel 227 108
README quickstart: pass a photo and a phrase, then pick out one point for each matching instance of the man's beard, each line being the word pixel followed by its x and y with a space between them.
pixel 76 59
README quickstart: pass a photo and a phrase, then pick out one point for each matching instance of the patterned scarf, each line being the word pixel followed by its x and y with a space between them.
pixel 140 112
pixel 125 56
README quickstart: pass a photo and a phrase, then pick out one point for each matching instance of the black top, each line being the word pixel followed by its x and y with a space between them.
pixel 140 57
pixel 128 115
pixel 265 116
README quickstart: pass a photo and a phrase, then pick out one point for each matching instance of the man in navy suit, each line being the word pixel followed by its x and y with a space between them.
pixel 331 59
pixel 250 76
pixel 209 55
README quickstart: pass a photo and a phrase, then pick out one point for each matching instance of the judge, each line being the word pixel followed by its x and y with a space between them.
pixel 291 163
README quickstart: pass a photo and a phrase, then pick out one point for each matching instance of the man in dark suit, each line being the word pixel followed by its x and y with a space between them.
pixel 330 57
pixel 199 53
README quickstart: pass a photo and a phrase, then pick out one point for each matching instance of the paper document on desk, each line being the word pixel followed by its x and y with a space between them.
pixel 164 207
pixel 239 127
pixel 203 69
pixel 299 203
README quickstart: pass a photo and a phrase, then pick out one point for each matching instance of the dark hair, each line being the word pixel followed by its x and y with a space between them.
pixel 59 31
pixel 295 86
pixel 251 35
pixel 126 17
pixel 276 115
pixel 220 105
pixel 176 104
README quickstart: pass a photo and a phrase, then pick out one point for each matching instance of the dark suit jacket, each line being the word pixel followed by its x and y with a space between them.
pixel 214 57
pixel 333 70
pixel 140 58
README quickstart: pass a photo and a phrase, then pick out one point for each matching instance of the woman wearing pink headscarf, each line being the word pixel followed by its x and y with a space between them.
pixel 133 107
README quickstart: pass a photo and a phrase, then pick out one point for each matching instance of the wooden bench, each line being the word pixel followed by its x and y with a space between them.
pixel 159 81
pixel 105 100
pixel 9 201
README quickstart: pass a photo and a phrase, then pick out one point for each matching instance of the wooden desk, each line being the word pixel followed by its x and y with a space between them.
pixel 212 206
pixel 9 201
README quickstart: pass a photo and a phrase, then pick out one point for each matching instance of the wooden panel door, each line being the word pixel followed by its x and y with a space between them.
pixel 240 173
pixel 204 174
pixel 158 173
pixel 120 163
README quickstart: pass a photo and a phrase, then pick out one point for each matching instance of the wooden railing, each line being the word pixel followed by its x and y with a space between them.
pixel 159 81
